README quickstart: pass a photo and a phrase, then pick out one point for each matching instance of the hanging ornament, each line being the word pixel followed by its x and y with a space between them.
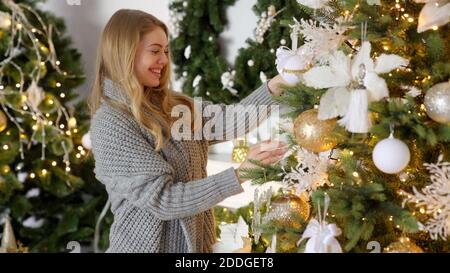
pixel 391 155
pixel 437 102
pixel 86 141
pixel 404 245
pixel 314 134
pixel 287 208
pixel 356 118
pixel 35 95
pixel 435 13
pixel 341 74
pixel 240 150
pixel 3 121
pixel 292 63
pixel 9 244
pixel 321 235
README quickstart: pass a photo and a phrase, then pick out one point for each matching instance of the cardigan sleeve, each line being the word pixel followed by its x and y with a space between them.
pixel 226 122
pixel 131 169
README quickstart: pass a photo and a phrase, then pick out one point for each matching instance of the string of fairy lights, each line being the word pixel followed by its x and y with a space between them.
pixel 34 99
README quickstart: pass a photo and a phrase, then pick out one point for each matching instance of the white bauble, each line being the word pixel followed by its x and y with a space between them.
pixel 437 102
pixel 391 155
pixel 293 69
pixel 86 141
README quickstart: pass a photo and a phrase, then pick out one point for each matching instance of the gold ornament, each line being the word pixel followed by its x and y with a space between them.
pixel 287 208
pixel 240 150
pixel 404 245
pixel 3 121
pixel 9 244
pixel 5 169
pixel 314 134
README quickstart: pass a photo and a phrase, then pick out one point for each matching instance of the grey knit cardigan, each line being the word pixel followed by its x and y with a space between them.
pixel 161 201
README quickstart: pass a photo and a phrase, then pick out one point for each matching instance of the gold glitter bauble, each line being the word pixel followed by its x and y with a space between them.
pixel 240 151
pixel 314 134
pixel 404 245
pixel 288 208
pixel 3 121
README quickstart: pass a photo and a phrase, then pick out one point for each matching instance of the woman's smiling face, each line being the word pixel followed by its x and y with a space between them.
pixel 151 57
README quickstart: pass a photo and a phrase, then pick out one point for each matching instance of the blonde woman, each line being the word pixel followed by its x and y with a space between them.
pixel 160 193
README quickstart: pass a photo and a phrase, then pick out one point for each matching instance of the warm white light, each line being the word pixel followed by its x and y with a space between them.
pixel 32 175
pixel 58 84
pixel 18 85
pixel 54 163
pixel 62 95
pixel 5 147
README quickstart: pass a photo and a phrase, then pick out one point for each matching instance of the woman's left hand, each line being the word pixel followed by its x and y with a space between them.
pixel 275 84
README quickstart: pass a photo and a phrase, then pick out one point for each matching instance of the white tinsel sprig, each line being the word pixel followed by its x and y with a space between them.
pixel 435 199
pixel 310 173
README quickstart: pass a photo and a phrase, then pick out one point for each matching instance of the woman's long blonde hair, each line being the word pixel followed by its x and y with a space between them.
pixel 151 107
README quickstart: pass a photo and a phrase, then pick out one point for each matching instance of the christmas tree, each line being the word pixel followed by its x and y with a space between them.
pixel 198 56
pixel 47 186
pixel 369 132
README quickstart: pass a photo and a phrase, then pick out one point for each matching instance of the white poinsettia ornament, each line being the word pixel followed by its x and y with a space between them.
pixel 352 83
pixel 435 13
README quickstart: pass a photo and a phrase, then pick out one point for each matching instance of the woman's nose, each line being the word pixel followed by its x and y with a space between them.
pixel 164 59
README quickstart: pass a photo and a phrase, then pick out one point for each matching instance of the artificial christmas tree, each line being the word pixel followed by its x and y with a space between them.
pixel 47 185
pixel 373 69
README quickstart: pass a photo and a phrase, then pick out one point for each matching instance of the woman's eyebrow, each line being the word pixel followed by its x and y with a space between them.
pixel 158 45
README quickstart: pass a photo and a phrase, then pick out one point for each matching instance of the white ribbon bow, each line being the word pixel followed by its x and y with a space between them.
pixel 321 234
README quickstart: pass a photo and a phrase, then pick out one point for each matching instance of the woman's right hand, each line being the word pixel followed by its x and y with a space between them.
pixel 267 152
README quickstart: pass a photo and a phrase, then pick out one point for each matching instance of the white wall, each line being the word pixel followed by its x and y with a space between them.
pixel 86 21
